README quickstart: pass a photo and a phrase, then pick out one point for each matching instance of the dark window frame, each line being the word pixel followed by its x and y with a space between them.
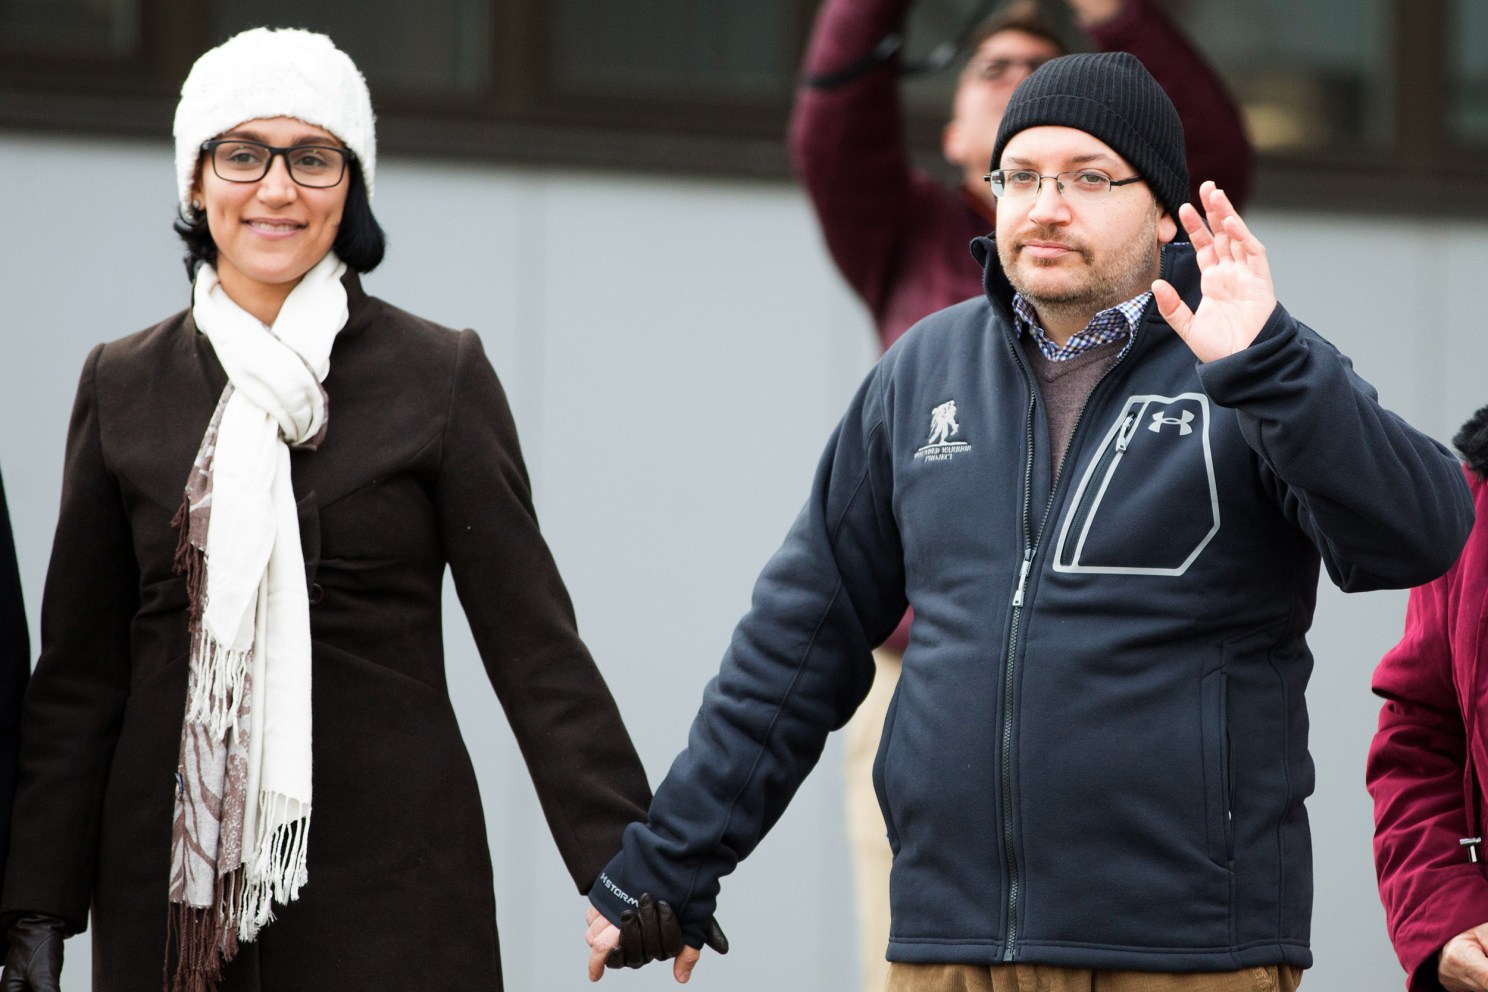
pixel 525 121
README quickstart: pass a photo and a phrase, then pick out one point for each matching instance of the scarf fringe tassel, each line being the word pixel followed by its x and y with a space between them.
pixel 203 939
pixel 277 870
pixel 221 672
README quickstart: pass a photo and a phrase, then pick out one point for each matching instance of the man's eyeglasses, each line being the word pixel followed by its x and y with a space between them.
pixel 994 69
pixel 1081 184
pixel 239 160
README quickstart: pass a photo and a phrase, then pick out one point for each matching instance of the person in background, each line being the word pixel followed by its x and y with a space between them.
pixel 260 499
pixel 899 237
pixel 1107 486
pixel 15 670
pixel 1428 765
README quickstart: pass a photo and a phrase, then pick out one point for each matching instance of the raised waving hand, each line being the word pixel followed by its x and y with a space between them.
pixel 1235 280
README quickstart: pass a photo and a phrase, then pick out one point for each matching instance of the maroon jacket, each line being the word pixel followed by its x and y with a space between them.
pixel 1435 694
pixel 901 238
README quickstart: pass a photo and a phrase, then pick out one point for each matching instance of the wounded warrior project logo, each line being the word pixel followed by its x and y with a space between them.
pixel 943 427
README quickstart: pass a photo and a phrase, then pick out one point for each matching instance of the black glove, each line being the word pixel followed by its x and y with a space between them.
pixel 650 932
pixel 34 963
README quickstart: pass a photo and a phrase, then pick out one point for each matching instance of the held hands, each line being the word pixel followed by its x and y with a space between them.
pixel 649 932
pixel 34 963
pixel 1234 276
pixel 1462 965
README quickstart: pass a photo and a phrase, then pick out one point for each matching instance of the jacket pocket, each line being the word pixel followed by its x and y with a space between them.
pixel 1147 502
pixel 1214 734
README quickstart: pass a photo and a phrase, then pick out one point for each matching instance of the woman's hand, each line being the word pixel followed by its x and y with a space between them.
pixel 649 932
pixel 601 936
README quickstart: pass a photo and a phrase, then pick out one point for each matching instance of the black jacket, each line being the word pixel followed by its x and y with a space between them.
pixel 15 669
pixel 1097 753
pixel 420 471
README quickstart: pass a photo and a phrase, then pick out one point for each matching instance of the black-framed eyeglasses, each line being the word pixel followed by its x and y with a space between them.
pixel 1081 183
pixel 239 160
pixel 991 70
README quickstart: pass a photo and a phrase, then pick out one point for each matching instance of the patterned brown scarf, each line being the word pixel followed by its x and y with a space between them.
pixel 242 814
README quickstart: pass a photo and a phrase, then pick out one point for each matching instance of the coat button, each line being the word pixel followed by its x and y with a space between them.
pixel 316 594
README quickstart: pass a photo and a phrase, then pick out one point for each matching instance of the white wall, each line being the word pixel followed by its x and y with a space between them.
pixel 676 353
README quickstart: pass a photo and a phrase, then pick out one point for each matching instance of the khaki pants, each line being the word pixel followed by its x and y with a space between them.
pixel 867 837
pixel 1053 978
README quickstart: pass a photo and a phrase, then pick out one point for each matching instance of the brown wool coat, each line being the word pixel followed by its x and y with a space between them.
pixel 420 469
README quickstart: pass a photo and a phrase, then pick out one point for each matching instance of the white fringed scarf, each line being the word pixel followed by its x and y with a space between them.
pixel 242 815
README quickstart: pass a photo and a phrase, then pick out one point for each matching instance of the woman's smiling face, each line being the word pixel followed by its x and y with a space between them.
pixel 271 232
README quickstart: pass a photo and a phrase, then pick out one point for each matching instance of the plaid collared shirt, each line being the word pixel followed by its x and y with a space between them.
pixel 1109 325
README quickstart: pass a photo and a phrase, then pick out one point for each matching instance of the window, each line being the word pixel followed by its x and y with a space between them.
pixel 733 50
pixel 428 49
pixel 1467 100
pixel 1310 77
pixel 1335 91
pixel 72 27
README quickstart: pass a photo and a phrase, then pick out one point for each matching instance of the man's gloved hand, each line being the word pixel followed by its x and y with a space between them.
pixel 34 963
pixel 650 932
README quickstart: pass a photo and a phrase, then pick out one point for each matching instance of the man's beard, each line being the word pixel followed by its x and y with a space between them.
pixel 1111 278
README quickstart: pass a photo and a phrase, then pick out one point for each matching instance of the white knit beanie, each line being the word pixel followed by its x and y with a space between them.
pixel 267 72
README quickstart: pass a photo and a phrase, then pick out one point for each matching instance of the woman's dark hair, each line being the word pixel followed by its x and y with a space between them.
pixel 1472 442
pixel 359 243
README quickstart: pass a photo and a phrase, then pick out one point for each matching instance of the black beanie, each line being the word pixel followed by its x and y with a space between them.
pixel 1112 96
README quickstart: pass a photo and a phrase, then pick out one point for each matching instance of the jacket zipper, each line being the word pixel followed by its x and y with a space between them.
pixel 1087 499
pixel 1007 687
pixel 1031 544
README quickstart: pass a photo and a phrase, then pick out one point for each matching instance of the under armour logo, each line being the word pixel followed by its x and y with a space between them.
pixel 1182 420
